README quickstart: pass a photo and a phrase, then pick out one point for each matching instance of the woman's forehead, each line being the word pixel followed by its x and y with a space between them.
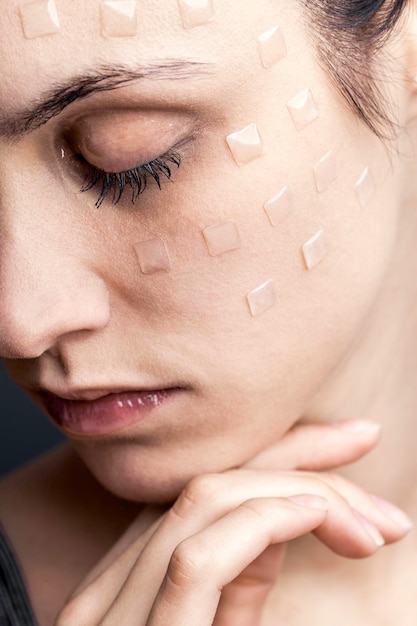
pixel 45 43
pixel 57 26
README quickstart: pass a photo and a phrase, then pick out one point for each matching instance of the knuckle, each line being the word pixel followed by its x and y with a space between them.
pixel 189 565
pixel 331 486
pixel 257 509
pixel 199 492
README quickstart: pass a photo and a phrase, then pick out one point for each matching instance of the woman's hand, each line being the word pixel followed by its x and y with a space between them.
pixel 214 556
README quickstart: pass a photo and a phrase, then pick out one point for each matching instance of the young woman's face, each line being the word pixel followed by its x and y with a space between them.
pixel 84 313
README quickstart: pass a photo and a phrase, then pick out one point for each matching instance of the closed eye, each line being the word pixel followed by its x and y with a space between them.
pixel 115 185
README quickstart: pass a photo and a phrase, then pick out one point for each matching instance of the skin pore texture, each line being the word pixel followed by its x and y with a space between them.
pixel 79 317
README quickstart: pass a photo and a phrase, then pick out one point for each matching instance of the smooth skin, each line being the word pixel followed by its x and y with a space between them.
pixel 216 554
pixel 77 317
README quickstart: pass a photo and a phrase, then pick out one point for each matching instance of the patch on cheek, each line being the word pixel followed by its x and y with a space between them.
pixel 303 109
pixel 365 187
pixel 119 18
pixel 325 171
pixel 246 144
pixel 272 47
pixel 39 18
pixel 153 256
pixel 262 298
pixel 315 250
pixel 279 206
pixel 222 238
pixel 196 12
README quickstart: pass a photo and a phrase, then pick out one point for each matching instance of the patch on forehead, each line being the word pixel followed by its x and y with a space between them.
pixel 39 18
pixel 196 12
pixel 119 18
pixel 272 47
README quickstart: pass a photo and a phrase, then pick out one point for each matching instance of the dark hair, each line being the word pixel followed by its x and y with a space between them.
pixel 349 35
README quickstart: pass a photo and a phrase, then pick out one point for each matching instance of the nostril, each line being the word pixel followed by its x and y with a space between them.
pixel 54 352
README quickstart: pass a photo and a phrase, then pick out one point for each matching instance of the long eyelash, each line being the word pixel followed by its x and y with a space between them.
pixel 135 179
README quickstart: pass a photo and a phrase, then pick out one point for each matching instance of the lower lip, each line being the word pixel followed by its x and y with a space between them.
pixel 105 415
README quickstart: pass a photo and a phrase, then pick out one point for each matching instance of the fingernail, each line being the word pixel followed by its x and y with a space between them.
pixel 311 502
pixel 357 426
pixel 393 512
pixel 370 529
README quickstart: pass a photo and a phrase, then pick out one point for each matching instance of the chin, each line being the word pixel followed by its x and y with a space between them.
pixel 152 475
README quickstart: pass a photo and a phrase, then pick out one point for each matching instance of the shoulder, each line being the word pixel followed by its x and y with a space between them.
pixel 55 502
pixel 34 504
pixel 28 506
pixel 23 490
pixel 28 494
pixel 59 522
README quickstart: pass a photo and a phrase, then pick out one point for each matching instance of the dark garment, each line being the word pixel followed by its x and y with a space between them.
pixel 15 608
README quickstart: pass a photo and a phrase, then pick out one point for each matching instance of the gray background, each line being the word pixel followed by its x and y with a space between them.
pixel 24 432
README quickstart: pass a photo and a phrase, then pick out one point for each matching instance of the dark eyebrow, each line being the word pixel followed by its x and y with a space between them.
pixel 104 78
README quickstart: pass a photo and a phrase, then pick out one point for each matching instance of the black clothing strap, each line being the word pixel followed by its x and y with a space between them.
pixel 15 607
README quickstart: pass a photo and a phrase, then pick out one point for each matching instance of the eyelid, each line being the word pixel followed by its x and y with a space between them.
pixel 119 142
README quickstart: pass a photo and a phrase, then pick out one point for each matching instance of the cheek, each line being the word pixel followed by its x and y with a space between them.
pixel 311 273
pixel 272 271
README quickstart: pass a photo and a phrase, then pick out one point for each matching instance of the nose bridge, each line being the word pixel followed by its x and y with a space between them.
pixel 45 290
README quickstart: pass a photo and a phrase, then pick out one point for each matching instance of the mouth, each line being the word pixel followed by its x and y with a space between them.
pixel 106 414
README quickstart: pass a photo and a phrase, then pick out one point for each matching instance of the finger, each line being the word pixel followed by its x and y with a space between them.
pixel 247 594
pixel 387 519
pixel 92 599
pixel 209 497
pixel 205 563
pixel 319 447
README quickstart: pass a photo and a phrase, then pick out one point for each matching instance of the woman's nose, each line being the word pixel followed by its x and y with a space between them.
pixel 46 292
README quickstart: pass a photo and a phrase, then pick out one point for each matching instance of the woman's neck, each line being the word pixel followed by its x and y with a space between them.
pixel 378 380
